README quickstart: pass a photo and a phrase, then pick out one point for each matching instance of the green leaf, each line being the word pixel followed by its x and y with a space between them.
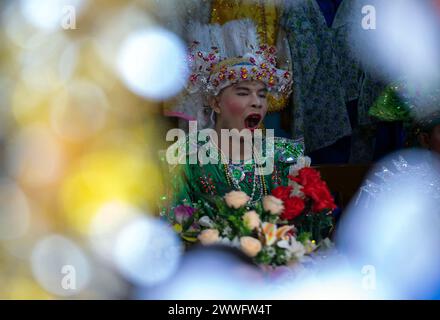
pixel 304 236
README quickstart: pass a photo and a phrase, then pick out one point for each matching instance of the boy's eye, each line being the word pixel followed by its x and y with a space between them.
pixel 263 95
pixel 242 94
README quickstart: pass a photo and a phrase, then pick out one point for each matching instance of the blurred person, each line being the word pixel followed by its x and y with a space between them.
pixel 332 90
pixel 417 108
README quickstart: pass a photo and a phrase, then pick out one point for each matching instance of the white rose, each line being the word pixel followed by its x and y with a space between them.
pixel 294 247
pixel 236 199
pixel 251 220
pixel 209 236
pixel 250 246
pixel 273 205
pixel 235 243
pixel 206 221
pixel 301 162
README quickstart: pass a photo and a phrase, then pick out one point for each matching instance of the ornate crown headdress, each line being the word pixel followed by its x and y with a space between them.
pixel 220 56
pixel 223 55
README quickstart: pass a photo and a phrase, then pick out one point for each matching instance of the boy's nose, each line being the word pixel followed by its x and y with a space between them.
pixel 256 102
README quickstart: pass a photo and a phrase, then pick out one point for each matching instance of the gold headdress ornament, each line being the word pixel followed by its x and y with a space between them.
pixel 220 56
pixel 223 55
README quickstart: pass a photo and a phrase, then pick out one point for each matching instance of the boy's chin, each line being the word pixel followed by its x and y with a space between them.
pixel 254 128
pixel 244 129
pixel 248 130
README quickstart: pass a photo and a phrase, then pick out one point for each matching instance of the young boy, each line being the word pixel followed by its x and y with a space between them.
pixel 232 74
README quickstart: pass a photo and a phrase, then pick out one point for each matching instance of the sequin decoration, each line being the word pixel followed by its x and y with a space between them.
pixel 207 184
pixel 288 150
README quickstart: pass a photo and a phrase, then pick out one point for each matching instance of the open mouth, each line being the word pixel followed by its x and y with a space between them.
pixel 252 121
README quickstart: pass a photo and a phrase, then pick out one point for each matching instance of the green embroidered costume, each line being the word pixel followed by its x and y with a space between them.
pixel 190 183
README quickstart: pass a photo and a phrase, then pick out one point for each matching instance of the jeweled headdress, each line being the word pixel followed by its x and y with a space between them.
pixel 220 56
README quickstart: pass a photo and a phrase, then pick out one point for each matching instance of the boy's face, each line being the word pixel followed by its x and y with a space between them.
pixel 431 140
pixel 241 106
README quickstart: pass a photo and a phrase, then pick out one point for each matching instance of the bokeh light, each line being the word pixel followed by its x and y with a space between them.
pixel 152 63
pixel 5 112
pixel 60 266
pixel 79 111
pixel 405 43
pixel 211 273
pixel 111 175
pixel 17 31
pixel 39 225
pixel 39 67
pixel 106 225
pixel 14 211
pixel 68 61
pixel 35 156
pixel 78 150
pixel 48 14
pixel 394 225
pixel 147 252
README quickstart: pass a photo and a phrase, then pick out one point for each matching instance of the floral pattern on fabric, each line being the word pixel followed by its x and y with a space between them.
pixel 326 73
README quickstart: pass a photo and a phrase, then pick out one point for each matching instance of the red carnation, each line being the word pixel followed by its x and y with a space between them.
pixel 293 207
pixel 307 176
pixel 319 193
pixel 282 192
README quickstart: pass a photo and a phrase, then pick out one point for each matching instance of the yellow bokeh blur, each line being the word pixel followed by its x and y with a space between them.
pixel 73 136
pixel 107 176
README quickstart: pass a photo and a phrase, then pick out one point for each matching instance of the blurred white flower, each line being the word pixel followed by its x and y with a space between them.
pixel 296 191
pixel 235 243
pixel 206 221
pixel 302 162
pixel 294 247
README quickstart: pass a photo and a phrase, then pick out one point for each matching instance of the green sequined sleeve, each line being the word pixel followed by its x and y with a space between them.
pixel 178 187
pixel 180 181
pixel 287 152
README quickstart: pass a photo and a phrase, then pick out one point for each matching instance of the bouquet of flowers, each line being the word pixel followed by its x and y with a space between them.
pixel 286 225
